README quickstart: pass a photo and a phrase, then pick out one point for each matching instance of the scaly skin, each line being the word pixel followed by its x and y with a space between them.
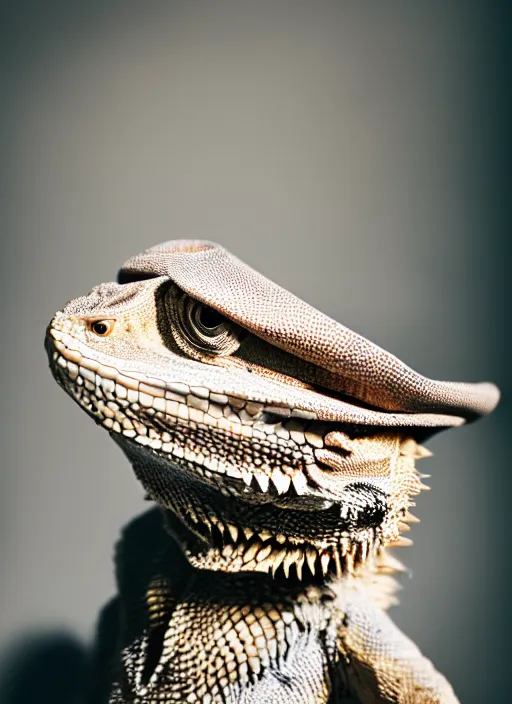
pixel 280 447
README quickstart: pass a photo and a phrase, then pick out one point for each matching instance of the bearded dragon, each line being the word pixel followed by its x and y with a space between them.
pixel 280 447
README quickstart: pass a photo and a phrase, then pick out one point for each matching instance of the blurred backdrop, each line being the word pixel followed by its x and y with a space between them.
pixel 350 151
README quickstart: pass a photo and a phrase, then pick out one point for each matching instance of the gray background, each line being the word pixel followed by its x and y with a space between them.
pixel 349 151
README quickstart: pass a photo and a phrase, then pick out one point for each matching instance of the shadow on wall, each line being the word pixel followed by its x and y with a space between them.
pixel 44 668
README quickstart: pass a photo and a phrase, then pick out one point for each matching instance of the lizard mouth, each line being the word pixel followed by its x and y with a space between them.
pixel 76 364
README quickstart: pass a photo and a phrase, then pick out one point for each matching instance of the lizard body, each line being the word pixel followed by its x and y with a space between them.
pixel 280 447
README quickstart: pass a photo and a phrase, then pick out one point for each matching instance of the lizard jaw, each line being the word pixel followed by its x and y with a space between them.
pixel 235 536
pixel 229 548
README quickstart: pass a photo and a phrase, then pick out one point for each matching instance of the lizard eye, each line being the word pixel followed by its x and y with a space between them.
pixel 102 328
pixel 209 318
pixel 196 326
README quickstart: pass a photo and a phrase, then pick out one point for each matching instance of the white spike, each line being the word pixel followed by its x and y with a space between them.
pixel 400 542
pixel 349 562
pixel 299 482
pixel 364 551
pixel 288 562
pixel 408 447
pixel 337 560
pixel 391 564
pixel 311 558
pixel 277 557
pixel 281 481
pixel 262 480
pixel 299 564
pixel 410 518
pixel 324 562
pixel 423 452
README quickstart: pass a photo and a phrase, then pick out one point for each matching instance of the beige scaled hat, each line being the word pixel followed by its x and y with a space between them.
pixel 368 374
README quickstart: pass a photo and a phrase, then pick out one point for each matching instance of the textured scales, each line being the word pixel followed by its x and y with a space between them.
pixel 281 448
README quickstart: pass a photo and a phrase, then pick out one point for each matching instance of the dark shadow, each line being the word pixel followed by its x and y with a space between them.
pixel 54 667
pixel 43 668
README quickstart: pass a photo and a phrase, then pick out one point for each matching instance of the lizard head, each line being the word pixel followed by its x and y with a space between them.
pixel 276 438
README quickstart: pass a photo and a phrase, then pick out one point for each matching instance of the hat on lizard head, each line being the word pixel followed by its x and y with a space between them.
pixel 385 391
